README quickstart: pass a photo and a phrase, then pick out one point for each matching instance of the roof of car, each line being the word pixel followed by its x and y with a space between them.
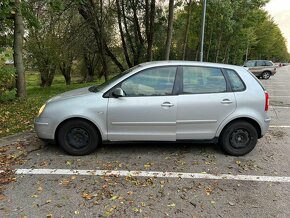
pixel 191 63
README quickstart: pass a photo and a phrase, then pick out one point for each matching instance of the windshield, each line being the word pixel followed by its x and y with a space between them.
pixel 97 88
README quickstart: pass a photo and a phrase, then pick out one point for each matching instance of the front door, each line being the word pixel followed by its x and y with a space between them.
pixel 148 109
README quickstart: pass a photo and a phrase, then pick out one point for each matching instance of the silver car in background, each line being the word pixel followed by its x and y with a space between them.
pixel 161 101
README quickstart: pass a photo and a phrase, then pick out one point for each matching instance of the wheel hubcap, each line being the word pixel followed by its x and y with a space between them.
pixel 77 137
pixel 240 138
pixel 266 75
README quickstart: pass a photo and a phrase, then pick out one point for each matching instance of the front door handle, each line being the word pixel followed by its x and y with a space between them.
pixel 167 104
pixel 226 101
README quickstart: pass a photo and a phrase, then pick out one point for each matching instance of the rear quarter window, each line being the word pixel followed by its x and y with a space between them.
pixel 236 82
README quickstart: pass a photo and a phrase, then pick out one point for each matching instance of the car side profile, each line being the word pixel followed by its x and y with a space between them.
pixel 161 101
pixel 261 68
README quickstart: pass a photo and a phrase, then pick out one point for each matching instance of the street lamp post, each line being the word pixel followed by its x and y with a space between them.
pixel 202 30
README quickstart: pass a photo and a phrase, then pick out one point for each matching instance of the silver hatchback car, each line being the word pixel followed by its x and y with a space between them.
pixel 161 101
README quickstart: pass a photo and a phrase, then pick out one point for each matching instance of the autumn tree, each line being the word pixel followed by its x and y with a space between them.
pixel 13 10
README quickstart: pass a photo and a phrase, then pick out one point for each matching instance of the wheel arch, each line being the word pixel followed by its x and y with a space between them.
pixel 75 118
pixel 247 119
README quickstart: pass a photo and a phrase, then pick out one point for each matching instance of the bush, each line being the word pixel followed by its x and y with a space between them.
pixel 8 95
pixel 7 83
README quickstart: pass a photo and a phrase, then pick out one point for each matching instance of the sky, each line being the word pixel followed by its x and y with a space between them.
pixel 280 11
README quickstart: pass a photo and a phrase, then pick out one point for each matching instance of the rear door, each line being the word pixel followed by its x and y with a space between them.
pixel 203 103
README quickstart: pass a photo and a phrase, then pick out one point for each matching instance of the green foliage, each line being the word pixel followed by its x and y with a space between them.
pixel 235 30
pixel 18 115
pixel 7 95
pixel 7 77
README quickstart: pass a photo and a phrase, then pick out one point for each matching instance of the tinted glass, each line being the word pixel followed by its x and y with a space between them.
pixel 261 63
pixel 236 82
pixel 157 81
pixel 250 64
pixel 268 63
pixel 203 80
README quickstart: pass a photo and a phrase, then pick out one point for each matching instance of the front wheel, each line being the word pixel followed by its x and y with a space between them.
pixel 78 137
pixel 239 138
pixel 266 75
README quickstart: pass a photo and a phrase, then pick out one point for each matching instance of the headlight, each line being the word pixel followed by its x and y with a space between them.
pixel 40 110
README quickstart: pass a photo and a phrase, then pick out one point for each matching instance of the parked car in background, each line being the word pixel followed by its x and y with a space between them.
pixel 261 68
pixel 161 101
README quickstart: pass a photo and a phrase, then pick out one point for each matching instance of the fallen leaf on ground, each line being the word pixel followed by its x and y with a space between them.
pixel 171 205
pixel 87 196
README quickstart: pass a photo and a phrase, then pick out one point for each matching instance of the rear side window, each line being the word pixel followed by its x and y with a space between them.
pixel 261 63
pixel 235 81
pixel 197 80
pixel 268 63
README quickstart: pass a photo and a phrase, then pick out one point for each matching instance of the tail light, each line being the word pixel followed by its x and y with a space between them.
pixel 267 101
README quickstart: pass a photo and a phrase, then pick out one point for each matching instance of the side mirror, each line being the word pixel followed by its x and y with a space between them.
pixel 118 92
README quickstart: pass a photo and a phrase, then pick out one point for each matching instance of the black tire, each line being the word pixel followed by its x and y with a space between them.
pixel 78 137
pixel 239 138
pixel 266 75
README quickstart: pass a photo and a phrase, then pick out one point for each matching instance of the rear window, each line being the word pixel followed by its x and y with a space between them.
pixel 236 82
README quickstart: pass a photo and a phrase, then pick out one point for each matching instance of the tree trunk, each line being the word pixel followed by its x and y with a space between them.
pixel 169 30
pixel 90 67
pixel 125 50
pixel 86 10
pixel 17 49
pixel 47 76
pixel 218 48
pixel 102 42
pixel 149 27
pixel 66 72
pixel 209 44
pixel 186 29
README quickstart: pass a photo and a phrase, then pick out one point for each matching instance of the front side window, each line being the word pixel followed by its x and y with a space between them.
pixel 158 81
pixel 250 64
pixel 198 80
pixel 235 81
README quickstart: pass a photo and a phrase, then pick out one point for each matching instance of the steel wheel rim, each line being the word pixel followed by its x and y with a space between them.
pixel 240 138
pixel 78 137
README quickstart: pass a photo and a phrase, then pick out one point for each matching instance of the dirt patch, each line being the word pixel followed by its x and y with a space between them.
pixel 278 134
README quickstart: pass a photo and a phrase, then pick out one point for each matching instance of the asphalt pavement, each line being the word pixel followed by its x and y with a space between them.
pixel 157 179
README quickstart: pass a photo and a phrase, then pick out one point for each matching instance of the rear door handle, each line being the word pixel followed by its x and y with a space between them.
pixel 167 104
pixel 226 101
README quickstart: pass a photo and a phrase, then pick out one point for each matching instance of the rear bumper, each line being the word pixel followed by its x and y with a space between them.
pixel 265 126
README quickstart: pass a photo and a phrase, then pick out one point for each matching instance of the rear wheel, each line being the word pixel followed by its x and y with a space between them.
pixel 78 137
pixel 266 75
pixel 239 138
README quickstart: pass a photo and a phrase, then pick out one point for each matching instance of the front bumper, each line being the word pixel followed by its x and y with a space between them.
pixel 43 128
